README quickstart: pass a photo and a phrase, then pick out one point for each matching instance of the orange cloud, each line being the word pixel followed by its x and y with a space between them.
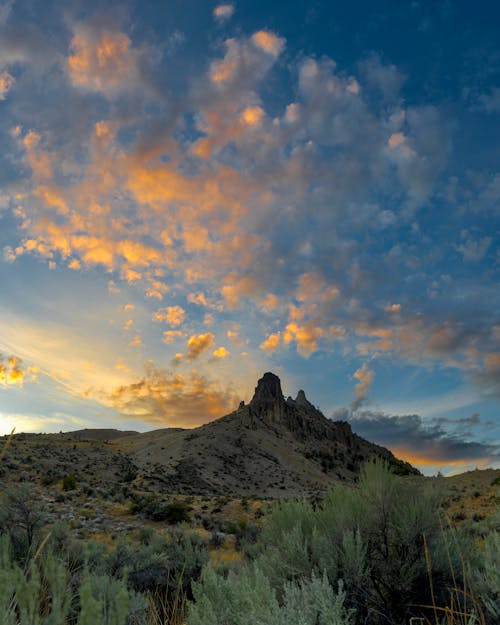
pixel 12 372
pixel 169 336
pixel 271 343
pixel 384 342
pixel 268 42
pixel 198 298
pixel 393 308
pixel 306 336
pixel 221 353
pixel 396 139
pixel 165 399
pixel 6 83
pixel 252 115
pixel 174 315
pixel 432 457
pixel 223 12
pixel 235 338
pixel 199 343
pixel 313 288
pixel 365 377
pixel 102 62
pixel 240 287
pixel 271 302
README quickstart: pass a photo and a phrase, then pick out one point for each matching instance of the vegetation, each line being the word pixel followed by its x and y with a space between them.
pixel 379 553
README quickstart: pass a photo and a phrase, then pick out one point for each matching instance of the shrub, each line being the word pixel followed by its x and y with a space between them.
pixel 373 539
pixel 69 483
pixel 21 519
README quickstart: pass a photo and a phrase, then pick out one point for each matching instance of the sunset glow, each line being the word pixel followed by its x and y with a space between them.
pixel 194 194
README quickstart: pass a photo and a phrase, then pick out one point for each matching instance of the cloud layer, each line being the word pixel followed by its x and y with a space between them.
pixel 255 202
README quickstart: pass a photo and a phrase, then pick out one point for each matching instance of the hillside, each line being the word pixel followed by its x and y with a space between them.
pixel 270 448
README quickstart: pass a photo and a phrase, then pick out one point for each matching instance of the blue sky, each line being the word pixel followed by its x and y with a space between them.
pixel 192 194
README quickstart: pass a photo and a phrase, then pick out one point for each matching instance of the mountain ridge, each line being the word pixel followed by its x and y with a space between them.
pixel 271 447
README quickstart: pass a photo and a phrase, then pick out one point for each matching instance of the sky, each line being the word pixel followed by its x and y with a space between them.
pixel 194 193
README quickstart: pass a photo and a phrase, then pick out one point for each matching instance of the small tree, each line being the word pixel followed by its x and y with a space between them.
pixel 21 517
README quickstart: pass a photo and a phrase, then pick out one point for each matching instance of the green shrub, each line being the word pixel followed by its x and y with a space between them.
pixel 21 519
pixel 373 539
pixel 69 483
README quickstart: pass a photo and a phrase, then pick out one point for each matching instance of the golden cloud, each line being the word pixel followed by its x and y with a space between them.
pixel 252 115
pixel 221 353
pixel 12 372
pixel 197 344
pixel 166 399
pixel 169 336
pixel 306 336
pixel 102 62
pixel 271 343
pixel 173 315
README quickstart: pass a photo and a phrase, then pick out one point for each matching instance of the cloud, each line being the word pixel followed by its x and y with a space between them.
pixel 6 83
pixel 364 375
pixel 271 343
pixel 223 12
pixel 262 208
pixel 162 398
pixel 424 442
pixel 169 336
pixel 306 336
pixel 103 61
pixel 474 250
pixel 490 102
pixel 488 375
pixel 246 60
pixel 198 344
pixel 269 42
pixel 13 373
pixel 173 315
pixel 220 353
pixel 5 10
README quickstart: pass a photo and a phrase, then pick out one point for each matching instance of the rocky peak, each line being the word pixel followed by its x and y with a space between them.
pixel 267 391
pixel 301 400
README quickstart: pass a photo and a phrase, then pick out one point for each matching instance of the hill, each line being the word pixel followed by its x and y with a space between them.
pixel 270 448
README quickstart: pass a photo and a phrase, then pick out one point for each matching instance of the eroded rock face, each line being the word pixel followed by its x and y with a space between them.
pixel 268 402
pixel 268 390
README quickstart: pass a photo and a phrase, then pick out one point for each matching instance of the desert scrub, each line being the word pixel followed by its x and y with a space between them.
pixel 372 540
pixel 75 582
pixel 44 594
pixel 248 598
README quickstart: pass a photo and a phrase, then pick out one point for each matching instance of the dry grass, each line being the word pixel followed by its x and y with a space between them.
pixel 463 606
pixel 7 444
pixel 164 609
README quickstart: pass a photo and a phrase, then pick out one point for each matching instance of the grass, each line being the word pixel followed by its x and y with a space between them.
pixel 463 607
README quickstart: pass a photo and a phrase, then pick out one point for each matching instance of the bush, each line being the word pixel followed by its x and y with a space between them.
pixel 373 540
pixel 248 598
pixel 21 519
pixel 69 483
